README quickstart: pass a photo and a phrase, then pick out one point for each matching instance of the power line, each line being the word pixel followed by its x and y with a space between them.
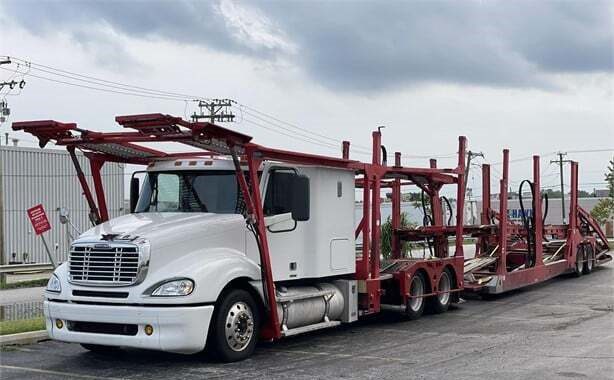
pixel 176 94
pixel 103 85
pixel 329 146
pixel 101 89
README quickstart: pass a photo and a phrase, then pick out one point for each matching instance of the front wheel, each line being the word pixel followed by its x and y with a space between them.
pixel 235 326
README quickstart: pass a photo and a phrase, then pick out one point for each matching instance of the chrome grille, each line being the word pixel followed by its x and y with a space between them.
pixel 104 264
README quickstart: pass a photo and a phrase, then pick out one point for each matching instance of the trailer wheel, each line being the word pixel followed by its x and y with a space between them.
pixel 236 326
pixel 441 302
pixel 415 305
pixel 579 261
pixel 590 259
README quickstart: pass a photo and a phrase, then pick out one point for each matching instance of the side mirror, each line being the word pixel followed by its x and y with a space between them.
pixel 300 198
pixel 134 193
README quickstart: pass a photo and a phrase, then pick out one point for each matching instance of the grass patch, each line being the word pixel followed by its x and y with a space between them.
pixel 24 325
pixel 25 284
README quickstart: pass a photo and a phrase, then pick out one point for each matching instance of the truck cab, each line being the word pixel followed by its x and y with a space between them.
pixel 182 270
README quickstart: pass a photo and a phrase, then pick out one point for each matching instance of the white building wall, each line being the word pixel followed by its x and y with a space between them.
pixel 30 176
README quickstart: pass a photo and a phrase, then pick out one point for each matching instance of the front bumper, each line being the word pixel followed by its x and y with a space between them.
pixel 181 329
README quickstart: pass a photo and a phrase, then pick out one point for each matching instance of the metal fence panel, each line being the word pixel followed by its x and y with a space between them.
pixel 31 176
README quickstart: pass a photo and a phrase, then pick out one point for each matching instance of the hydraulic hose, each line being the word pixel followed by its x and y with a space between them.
pixel 447 202
pixel 528 222
pixel 427 220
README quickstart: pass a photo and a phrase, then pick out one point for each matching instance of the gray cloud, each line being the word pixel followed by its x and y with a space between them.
pixel 373 46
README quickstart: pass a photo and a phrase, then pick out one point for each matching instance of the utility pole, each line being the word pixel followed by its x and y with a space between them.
pixel 470 156
pixel 217 110
pixel 560 161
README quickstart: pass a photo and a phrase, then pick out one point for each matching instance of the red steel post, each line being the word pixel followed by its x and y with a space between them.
pixel 345 150
pixel 375 214
pixel 94 215
pixel 460 196
pixel 502 268
pixel 96 166
pixel 537 213
pixel 273 328
pixel 396 219
pixel 362 267
pixel 573 199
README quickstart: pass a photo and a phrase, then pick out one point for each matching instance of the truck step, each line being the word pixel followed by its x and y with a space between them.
pixel 304 329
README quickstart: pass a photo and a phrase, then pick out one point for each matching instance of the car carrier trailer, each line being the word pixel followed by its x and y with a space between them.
pixel 513 255
pixel 238 241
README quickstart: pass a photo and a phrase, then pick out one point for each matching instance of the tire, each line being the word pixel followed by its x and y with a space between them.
pixel 235 326
pixel 590 259
pixel 415 306
pixel 579 268
pixel 99 349
pixel 440 303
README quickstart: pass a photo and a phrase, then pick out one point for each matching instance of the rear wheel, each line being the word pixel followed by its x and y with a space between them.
pixel 590 259
pixel 441 302
pixel 415 304
pixel 579 261
pixel 235 326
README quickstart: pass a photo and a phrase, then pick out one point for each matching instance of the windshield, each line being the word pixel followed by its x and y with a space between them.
pixel 213 191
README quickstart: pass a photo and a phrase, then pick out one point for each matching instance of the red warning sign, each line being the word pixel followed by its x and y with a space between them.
pixel 39 220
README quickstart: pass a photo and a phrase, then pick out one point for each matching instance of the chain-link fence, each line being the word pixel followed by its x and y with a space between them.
pixel 22 310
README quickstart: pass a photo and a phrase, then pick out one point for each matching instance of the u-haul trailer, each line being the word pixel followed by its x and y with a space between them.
pixel 240 241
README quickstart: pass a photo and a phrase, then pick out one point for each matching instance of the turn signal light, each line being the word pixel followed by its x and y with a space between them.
pixel 148 329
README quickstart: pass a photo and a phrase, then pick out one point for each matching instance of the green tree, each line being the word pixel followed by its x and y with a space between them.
pixel 604 209
pixel 386 235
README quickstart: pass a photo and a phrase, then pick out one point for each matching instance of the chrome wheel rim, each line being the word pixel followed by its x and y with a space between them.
pixel 589 261
pixel 579 260
pixel 239 326
pixel 444 288
pixel 416 291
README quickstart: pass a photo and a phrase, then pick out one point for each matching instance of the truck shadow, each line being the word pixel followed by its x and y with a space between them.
pixel 363 329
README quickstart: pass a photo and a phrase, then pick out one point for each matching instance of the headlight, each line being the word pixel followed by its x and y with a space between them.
pixel 54 284
pixel 182 287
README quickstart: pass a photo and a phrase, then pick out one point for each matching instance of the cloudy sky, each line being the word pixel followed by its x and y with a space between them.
pixel 536 77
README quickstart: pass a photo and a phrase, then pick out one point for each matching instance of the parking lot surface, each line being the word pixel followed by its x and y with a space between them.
pixel 558 330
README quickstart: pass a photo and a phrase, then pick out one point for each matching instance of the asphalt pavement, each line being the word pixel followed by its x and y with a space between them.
pixel 562 329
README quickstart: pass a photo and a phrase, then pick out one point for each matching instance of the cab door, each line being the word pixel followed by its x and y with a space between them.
pixel 286 212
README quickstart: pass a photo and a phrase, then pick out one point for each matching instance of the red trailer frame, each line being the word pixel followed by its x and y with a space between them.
pixel 372 177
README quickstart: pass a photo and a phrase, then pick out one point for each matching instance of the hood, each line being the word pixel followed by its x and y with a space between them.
pixel 158 227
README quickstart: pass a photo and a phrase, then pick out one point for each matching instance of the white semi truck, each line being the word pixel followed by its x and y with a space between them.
pixel 183 268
